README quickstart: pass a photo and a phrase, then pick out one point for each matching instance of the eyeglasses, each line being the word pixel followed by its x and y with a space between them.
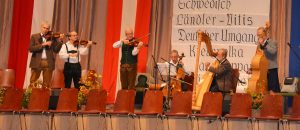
pixel 46 28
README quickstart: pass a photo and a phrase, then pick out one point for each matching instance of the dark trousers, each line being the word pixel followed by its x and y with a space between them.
pixel 72 71
pixel 128 76
pixel 273 81
pixel 214 86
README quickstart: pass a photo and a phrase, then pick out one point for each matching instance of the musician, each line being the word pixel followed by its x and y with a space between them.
pixel 128 68
pixel 177 63
pixel 43 58
pixel 222 81
pixel 70 53
pixel 269 48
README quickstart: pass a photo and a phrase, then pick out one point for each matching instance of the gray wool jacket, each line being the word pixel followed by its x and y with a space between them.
pixel 270 51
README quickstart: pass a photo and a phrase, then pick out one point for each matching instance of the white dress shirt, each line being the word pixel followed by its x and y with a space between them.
pixel 63 54
pixel 44 56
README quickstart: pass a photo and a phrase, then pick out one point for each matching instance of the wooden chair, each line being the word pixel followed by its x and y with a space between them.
pixel 39 100
pixel 12 100
pixel 271 111
pixel 241 106
pixel 240 112
pixel 38 104
pixel 295 115
pixel 181 104
pixel 181 107
pixel 7 78
pixel 124 105
pixel 12 104
pixel 124 102
pixel 96 105
pixel 67 103
pixel 272 108
pixel 211 105
pixel 152 105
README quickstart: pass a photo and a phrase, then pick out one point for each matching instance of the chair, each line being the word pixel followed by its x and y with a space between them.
pixel 39 100
pixel 124 102
pixel 124 105
pixel 271 110
pixel 96 104
pixel 211 110
pixel 240 112
pixel 295 115
pixel 67 103
pixel 12 100
pixel 181 104
pixel 96 101
pixel 12 103
pixel 38 103
pixel 152 105
pixel 57 81
pixel 211 105
pixel 241 106
pixel 7 78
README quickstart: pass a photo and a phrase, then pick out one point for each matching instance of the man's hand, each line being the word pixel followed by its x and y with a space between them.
pixel 125 41
pixel 48 43
pixel 140 45
pixel 207 64
pixel 261 41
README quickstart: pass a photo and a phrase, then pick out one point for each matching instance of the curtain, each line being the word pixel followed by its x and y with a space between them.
pixel 161 31
pixel 87 18
pixel 19 40
pixel 6 9
pixel 113 30
pixel 280 20
pixel 141 30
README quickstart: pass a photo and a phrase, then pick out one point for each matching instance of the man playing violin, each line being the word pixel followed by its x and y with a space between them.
pixel 70 53
pixel 43 58
pixel 128 68
pixel 222 81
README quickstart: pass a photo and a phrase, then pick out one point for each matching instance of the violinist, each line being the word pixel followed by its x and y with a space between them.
pixel 269 48
pixel 129 59
pixel 43 58
pixel 70 53
pixel 222 81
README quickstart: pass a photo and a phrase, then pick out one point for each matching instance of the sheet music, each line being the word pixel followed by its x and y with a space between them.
pixel 164 68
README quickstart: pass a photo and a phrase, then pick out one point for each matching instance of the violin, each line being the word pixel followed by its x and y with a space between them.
pixel 135 42
pixel 83 42
pixel 51 35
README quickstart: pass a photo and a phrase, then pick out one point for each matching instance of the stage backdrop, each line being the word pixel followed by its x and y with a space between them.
pixel 231 24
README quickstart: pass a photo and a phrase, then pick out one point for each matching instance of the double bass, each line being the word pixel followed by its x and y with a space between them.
pixel 259 69
pixel 199 89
